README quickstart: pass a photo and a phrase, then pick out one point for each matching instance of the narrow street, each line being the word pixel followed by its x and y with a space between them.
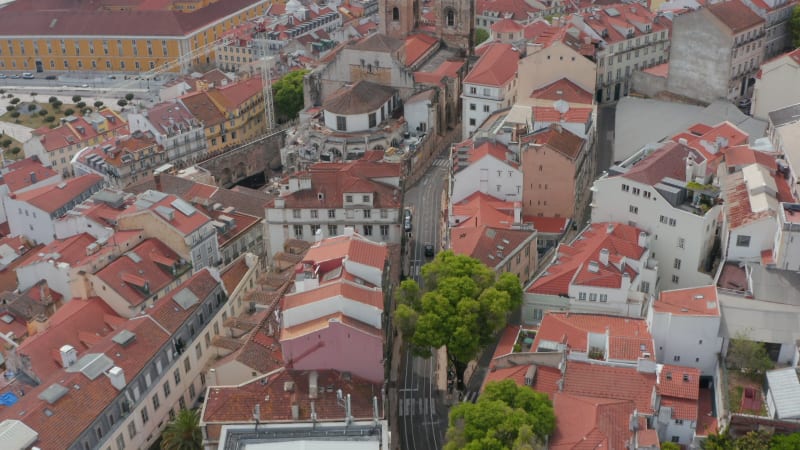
pixel 422 414
pixel 606 120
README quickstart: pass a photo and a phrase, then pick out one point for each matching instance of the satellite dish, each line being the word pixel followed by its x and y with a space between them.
pixel 561 106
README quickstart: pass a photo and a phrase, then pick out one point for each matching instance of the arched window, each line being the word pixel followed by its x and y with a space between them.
pixel 395 14
pixel 450 17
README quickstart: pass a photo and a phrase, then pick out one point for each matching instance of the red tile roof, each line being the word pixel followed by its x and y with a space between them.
pixel 447 69
pixel 496 150
pixel 679 382
pixel 711 142
pixel 324 322
pixel 481 209
pixel 355 248
pixel 572 115
pixel 743 155
pixel 79 130
pixel 124 275
pixel 558 138
pixel 518 10
pixel 53 197
pixel 169 314
pixel 170 117
pixel 628 338
pixel 627 17
pixel 608 382
pixel 334 180
pixel 73 249
pixel 735 15
pixel 571 264
pixel 24 173
pixel 506 26
pixel 563 89
pixel 668 161
pixel 550 225
pixel 185 224
pixel 590 422
pixel 368 296
pixel 417 45
pixel 233 274
pixel 234 404
pixel 202 108
pixel 496 66
pixel 699 301
pixel 661 70
pixel 236 95
pixel 489 244
pixel 737 200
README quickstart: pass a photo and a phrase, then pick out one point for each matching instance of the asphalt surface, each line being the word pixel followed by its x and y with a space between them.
pixel 606 121
pixel 422 413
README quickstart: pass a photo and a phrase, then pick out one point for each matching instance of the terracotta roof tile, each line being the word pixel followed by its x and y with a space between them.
pixel 360 98
pixel 447 69
pixel 518 10
pixel 417 45
pixel 628 338
pixel 590 422
pixel 548 224
pixel 699 301
pixel 735 15
pixel 668 161
pixel 571 265
pixel 563 89
pixel 53 197
pixel 608 382
pixel 572 115
pixel 24 173
pixel 496 67
pixel 168 312
pixel 203 108
pixel 327 292
pixel 506 26
pixel 235 95
pixel 679 382
pixel 153 202
pixel 558 138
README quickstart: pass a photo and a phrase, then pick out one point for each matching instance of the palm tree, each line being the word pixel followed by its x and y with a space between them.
pixel 183 433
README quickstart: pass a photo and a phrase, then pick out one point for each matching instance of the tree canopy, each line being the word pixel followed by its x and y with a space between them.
pixel 506 416
pixel 481 36
pixel 288 95
pixel 754 440
pixel 794 26
pixel 183 433
pixel 748 356
pixel 463 306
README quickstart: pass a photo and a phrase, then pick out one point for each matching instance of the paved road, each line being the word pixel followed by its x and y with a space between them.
pixel 422 415
pixel 606 122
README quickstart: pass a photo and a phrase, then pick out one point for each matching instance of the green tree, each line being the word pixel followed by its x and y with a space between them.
pixel 57 104
pixel 50 119
pixel 506 416
pixel 80 104
pixel 42 112
pixel 122 103
pixel 670 446
pixel 76 98
pixel 69 112
pixel 287 94
pixel 794 26
pixel 481 36
pixel 10 107
pixel 754 440
pixel 98 104
pixel 462 308
pixel 748 356
pixel 5 143
pixel 16 150
pixel 14 114
pixel 128 96
pixel 14 101
pixel 31 106
pixel 183 433
pixel 785 442
pixel 52 99
pixel 721 441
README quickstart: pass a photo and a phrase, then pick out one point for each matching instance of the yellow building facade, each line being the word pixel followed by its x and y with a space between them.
pixel 144 40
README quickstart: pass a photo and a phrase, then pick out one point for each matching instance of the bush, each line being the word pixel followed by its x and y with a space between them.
pixel 50 119
pixel 42 112
pixel 16 150
pixel 5 143
pixel 128 97
pixel 31 106
pixel 10 107
pixel 69 112
pixel 76 98
pixel 15 114
pixel 81 105
pixel 14 101
pixel 98 104
pixel 52 99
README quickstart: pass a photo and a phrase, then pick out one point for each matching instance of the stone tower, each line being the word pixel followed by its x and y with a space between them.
pixel 398 17
pixel 455 23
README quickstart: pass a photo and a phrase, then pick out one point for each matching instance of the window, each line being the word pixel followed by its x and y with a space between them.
pixel 676 264
pixel 198 350
pixel 582 296
pixel 592 297
pixel 367 230
pixel 167 389
pixel 700 342
pixel 395 14
pixel 131 429
pixel 120 442
pixel 298 231
pixel 645 287
pixel 603 298
pixel 675 279
pixel 472 107
pixel 314 214
pixel 295 213
pixel 633 209
pixel 182 403
pixel 192 391
pixel 341 122
pixel 676 439
pixel 314 229
pixel 331 214
pixel 177 375
pixel 384 214
pixel 486 108
pixel 332 231
pixel 450 17
pixel 373 120
pixel 385 231
pixel 365 198
pixel 676 358
pixel 367 214
pixel 156 402
pixel 145 415
pixel 672 222
pixel 472 122
pixel 473 90
pixel 742 241
pixel 625 187
pixel 681 242
pixel 662 219
pixel 636 191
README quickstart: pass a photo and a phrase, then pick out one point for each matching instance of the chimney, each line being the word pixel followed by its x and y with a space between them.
pixel 117 377
pixel 68 355
pixel 313 388
pixel 604 256
pixel 517 212
pixel 689 168
pixel 33 177
pixel 642 239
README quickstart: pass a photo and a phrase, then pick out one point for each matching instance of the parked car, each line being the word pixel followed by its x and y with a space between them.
pixel 84 85
pixel 15 76
pixel 51 77
pixel 407 220
pixel 28 76
pixel 429 251
pixel 2 76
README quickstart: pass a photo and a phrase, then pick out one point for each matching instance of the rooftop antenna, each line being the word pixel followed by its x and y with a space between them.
pixel 375 408
pixel 344 401
pixel 313 415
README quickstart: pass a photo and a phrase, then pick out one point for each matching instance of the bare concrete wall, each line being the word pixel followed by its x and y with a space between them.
pixel 647 84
